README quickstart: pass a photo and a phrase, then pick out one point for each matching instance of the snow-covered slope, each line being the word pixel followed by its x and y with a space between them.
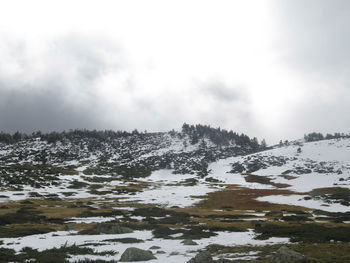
pixel 299 167
pixel 168 190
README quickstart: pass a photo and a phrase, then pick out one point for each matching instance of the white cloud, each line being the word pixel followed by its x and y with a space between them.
pixel 242 65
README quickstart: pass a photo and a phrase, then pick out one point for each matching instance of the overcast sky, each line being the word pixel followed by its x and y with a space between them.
pixel 272 69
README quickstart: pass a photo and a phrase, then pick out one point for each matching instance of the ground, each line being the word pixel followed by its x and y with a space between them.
pixel 278 197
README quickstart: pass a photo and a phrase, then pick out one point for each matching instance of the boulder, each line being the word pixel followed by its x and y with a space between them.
pixel 135 254
pixel 104 228
pixel 189 242
pixel 287 255
pixel 155 247
pixel 222 260
pixel 274 213
pixel 201 257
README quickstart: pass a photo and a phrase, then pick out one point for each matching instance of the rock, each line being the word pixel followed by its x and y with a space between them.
pixel 135 254
pixel 154 247
pixel 201 257
pixel 212 180
pixel 161 252
pixel 274 213
pixel 189 242
pixel 222 260
pixel 104 228
pixel 257 223
pixel 68 228
pixel 285 254
pixel 237 168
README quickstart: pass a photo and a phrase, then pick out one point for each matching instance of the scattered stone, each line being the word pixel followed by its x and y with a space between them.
pixel 287 255
pixel 201 257
pixel 189 242
pixel 161 252
pixel 125 240
pixel 104 228
pixel 68 228
pixel 135 254
pixel 154 247
pixel 212 180
pixel 257 223
pixel 274 213
pixel 222 260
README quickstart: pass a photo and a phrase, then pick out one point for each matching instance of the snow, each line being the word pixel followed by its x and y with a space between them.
pixel 329 153
pixel 175 195
pixel 167 176
pixel 183 253
pixel 220 170
pixel 89 220
pixel 299 200
pixel 164 188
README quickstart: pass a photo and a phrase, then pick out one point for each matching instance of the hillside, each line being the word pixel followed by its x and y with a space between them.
pixel 88 196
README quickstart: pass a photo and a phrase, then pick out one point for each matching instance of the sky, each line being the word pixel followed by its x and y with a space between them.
pixel 268 68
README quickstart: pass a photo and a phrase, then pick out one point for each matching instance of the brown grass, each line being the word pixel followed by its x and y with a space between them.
pixel 252 178
pixel 240 198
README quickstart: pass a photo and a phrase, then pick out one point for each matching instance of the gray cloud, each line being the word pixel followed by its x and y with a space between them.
pixel 313 42
pixel 61 94
pixel 222 92
pixel 315 35
pixel 29 110
pixel 59 88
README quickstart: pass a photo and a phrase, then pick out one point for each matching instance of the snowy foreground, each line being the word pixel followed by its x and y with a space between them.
pixel 174 250
pixel 301 174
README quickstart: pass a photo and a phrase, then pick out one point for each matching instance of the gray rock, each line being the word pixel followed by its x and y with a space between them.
pixel 104 228
pixel 274 213
pixel 222 260
pixel 257 223
pixel 154 247
pixel 201 257
pixel 189 242
pixel 287 255
pixel 135 254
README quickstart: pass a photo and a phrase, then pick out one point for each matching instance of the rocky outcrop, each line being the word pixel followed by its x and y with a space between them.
pixel 287 255
pixel 132 254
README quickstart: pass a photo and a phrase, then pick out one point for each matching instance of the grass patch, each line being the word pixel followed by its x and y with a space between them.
pixel 252 178
pixel 315 253
pixel 304 232
pixel 126 240
pixel 240 198
pixel 23 230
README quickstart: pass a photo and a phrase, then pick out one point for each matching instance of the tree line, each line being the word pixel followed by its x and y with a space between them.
pixel 195 132
pixel 52 137
pixel 317 136
pixel 220 136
